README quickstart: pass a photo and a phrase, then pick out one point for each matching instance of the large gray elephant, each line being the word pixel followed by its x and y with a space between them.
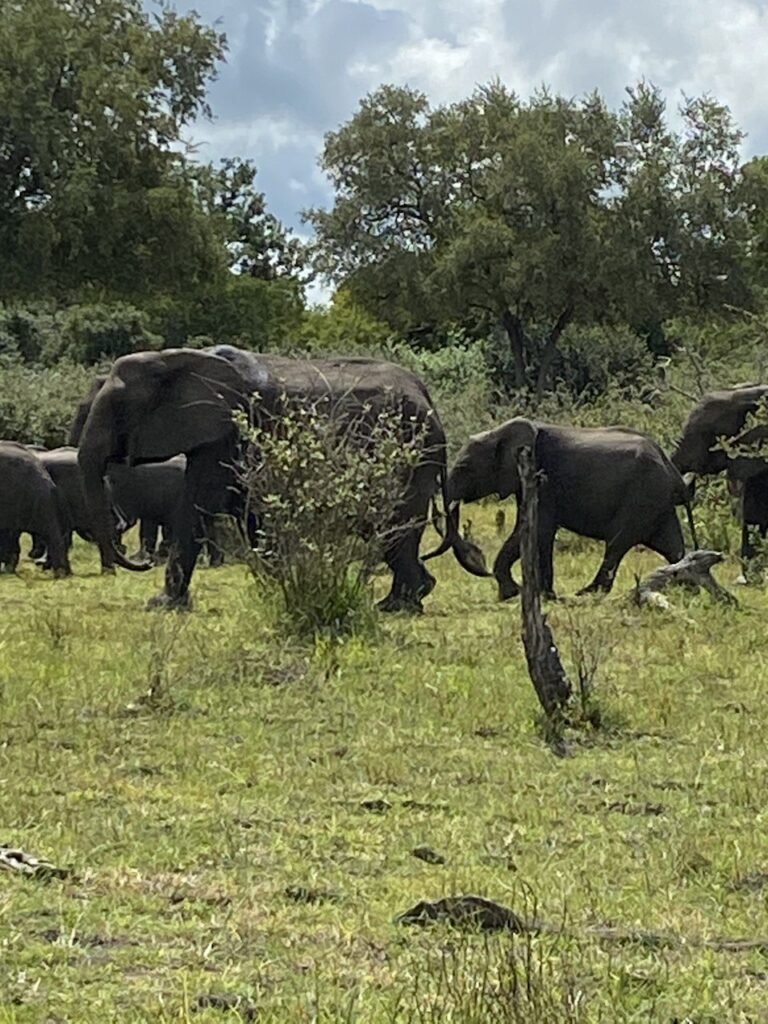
pixel 611 484
pixel 722 414
pixel 155 405
pixel 29 503
pixel 149 495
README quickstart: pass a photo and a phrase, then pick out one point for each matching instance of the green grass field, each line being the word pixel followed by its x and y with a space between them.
pixel 239 815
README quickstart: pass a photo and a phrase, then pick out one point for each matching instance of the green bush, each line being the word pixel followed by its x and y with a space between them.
pixel 37 403
pixel 29 335
pixel 105 331
pixel 325 498
pixel 342 328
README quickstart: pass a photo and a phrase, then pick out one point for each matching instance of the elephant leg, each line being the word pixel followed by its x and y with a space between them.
pixel 547 532
pixel 57 557
pixel 411 580
pixel 46 563
pixel 10 551
pixel 213 550
pixel 206 486
pixel 38 548
pixel 164 546
pixel 148 530
pixel 615 549
pixel 668 540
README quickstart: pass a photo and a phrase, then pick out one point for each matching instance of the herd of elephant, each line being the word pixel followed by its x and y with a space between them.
pixel 156 441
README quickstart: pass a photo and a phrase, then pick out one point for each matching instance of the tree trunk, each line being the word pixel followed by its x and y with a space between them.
pixel 516 335
pixel 549 351
pixel 544 666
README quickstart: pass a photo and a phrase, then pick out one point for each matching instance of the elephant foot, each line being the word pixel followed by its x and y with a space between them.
pixel 170 602
pixel 62 572
pixel 507 590
pixel 108 570
pixel 393 603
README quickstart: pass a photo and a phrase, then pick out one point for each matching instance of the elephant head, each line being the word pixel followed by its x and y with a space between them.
pixel 152 406
pixel 487 464
pixel 720 414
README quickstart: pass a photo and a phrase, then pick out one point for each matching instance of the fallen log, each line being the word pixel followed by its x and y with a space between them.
pixel 694 571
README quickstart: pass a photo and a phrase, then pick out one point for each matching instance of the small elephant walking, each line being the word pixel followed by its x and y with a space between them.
pixel 610 484
pixel 29 503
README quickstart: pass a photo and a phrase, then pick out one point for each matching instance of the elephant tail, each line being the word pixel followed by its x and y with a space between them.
pixel 468 554
pixel 691 524
pixel 688 489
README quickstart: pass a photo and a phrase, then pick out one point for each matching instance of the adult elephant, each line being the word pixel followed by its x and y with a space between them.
pixel 29 503
pixel 723 414
pixel 148 497
pixel 611 484
pixel 155 405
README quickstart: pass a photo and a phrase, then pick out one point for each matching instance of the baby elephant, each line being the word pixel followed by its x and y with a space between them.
pixel 29 503
pixel 610 483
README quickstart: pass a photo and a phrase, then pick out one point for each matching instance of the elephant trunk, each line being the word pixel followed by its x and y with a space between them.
pixel 468 554
pixel 93 466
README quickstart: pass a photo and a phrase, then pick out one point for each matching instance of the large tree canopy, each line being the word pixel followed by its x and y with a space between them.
pixel 97 196
pixel 532 214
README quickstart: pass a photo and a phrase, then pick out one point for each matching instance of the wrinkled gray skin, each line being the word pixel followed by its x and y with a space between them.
pixel 155 405
pixel 29 503
pixel 148 496
pixel 722 414
pixel 134 492
pixel 610 484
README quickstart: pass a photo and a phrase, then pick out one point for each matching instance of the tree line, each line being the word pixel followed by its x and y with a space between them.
pixel 516 222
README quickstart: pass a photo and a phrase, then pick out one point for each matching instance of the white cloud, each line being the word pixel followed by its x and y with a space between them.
pixel 297 68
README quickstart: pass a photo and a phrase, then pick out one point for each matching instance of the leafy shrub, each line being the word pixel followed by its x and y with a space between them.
pixel 324 494
pixel 29 335
pixel 37 404
pixel 342 328
pixel 105 331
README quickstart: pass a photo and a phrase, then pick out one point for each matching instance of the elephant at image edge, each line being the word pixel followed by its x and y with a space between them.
pixel 723 414
pixel 609 483
pixel 181 401
pixel 29 503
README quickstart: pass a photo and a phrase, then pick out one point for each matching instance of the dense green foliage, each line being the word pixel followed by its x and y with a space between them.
pixel 98 200
pixel 525 217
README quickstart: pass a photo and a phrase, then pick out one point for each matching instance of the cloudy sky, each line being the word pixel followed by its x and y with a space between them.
pixel 297 68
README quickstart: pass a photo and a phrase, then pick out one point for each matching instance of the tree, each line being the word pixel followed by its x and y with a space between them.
pixel 94 95
pixel 531 215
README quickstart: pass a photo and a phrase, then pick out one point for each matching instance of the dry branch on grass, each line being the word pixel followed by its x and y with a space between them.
pixel 693 571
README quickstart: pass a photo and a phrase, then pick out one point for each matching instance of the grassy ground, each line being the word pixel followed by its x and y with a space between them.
pixel 247 829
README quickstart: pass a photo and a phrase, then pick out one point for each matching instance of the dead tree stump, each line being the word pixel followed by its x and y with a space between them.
pixel 692 571
pixel 544 666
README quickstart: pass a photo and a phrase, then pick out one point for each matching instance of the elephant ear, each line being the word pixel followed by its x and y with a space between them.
pixel 511 437
pixel 187 399
pixel 742 467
